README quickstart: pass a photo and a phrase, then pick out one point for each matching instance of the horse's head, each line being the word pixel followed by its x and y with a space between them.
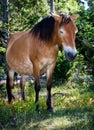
pixel 67 32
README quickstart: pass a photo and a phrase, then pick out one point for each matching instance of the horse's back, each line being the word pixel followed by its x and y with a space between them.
pixel 14 38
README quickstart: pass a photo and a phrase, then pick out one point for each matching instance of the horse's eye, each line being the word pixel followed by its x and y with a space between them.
pixel 62 31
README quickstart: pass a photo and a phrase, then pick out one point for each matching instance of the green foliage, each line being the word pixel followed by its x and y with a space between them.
pixel 71 6
pixel 26 16
pixel 62 67
pixel 2 61
pixel 2 92
pixel 78 69
pixel 85 42
pixel 2 49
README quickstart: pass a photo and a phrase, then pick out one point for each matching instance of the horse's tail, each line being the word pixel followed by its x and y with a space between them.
pixel 9 85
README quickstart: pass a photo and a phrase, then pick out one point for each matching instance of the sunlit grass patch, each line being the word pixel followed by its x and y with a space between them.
pixel 74 109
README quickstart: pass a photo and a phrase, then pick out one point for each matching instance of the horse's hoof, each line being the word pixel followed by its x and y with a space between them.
pixel 38 110
pixel 24 99
pixel 51 110
pixel 10 100
pixel 13 97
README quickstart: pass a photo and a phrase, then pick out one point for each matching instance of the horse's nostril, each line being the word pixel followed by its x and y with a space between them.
pixel 71 56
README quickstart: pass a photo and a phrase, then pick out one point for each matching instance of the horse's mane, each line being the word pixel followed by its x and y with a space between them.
pixel 45 28
pixel 65 19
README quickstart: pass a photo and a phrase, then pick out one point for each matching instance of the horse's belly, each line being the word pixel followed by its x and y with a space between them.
pixel 23 67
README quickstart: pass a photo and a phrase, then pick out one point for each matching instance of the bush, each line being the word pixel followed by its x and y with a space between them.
pixel 62 67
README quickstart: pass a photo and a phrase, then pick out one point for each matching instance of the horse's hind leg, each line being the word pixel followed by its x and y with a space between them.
pixel 22 85
pixel 9 84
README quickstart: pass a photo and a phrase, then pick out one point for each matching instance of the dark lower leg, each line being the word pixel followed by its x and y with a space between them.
pixel 8 87
pixel 49 84
pixel 22 90
pixel 23 95
pixel 37 89
pixel 48 102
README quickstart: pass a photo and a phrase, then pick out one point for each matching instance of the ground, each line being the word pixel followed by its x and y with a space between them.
pixel 73 104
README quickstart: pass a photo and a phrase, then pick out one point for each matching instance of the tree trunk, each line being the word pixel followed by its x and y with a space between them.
pixel 52 8
pixel 5 21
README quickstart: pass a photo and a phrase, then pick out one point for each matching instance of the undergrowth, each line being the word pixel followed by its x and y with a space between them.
pixel 73 104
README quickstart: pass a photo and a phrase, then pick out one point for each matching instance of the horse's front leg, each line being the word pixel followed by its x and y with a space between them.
pixel 37 89
pixel 48 101
pixel 49 85
pixel 36 74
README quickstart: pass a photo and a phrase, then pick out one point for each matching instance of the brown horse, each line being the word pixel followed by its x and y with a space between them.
pixel 35 52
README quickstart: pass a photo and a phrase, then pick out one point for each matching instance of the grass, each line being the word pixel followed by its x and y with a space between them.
pixel 73 104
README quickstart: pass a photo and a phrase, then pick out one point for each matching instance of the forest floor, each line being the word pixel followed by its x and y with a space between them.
pixel 73 104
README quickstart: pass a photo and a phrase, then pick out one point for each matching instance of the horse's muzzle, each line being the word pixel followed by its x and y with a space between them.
pixel 70 56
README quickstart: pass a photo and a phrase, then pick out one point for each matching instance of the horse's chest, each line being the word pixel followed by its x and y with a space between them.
pixel 45 63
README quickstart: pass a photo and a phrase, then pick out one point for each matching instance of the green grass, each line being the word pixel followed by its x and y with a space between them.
pixel 73 104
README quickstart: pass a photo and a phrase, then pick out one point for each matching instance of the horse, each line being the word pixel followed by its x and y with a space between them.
pixel 34 52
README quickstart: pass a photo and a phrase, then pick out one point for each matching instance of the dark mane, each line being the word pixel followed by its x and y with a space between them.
pixel 44 29
pixel 65 19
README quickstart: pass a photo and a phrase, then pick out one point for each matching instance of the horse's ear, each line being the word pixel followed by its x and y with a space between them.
pixel 74 17
pixel 56 16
